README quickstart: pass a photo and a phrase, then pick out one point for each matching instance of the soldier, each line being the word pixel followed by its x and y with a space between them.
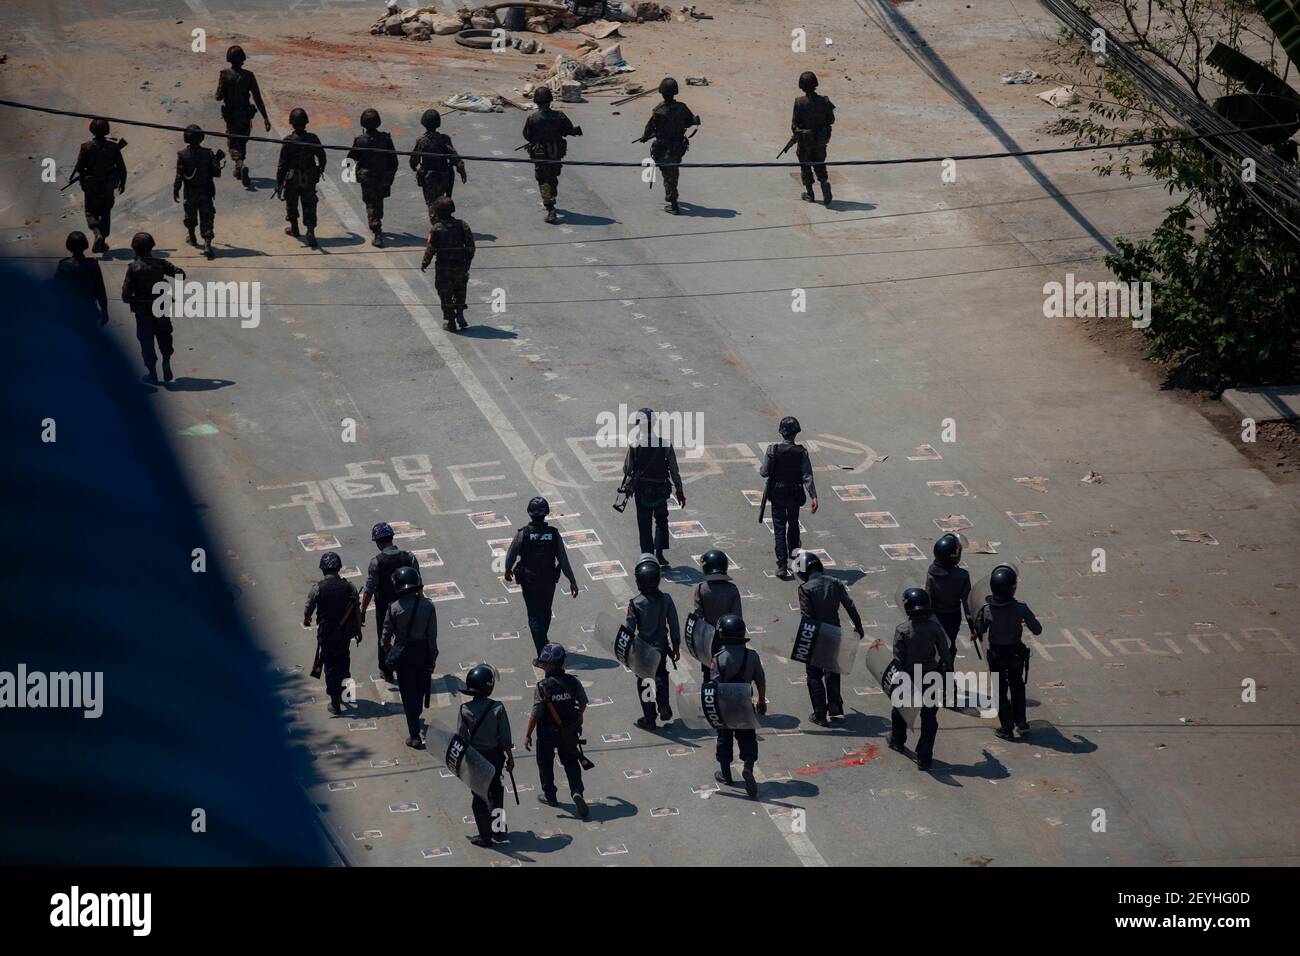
pixel 788 471
pixel 544 131
pixel 334 602
pixel 142 274
pixel 197 169
pixel 650 471
pixel 1003 618
pixel 434 173
pixel 380 587
pixel 820 598
pixel 733 663
pixel 452 242
pixel 538 558
pixel 485 726
pixel 715 596
pixel 302 161
pixel 411 630
pixel 652 616
pixel 559 701
pixel 667 126
pixel 949 588
pixel 814 115
pixel 100 170
pixel 241 100
pixel 83 282
pixel 375 170
pixel 920 648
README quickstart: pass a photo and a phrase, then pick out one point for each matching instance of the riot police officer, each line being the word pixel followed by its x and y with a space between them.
pixel 652 616
pixel 451 241
pixel 100 170
pixel 142 274
pixel 411 630
pixel 920 648
pixel 241 100
pixel 334 602
pixel 485 725
pixel 736 664
pixel 949 588
pixel 434 173
pixel 544 132
pixel 814 115
pixel 302 161
pixel 559 701
pixel 537 557
pixel 197 169
pixel 376 164
pixel 1002 619
pixel 380 588
pixel 667 126
pixel 717 595
pixel 820 598
pixel 650 472
pixel 788 471
pixel 83 282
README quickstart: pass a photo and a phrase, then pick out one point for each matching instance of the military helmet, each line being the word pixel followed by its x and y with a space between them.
pixel 543 96
pixel 330 562
pixel 551 654
pixel 76 242
pixel 381 531
pixel 443 207
pixel 142 243
pixel 789 427
pixel 806 564
pixel 480 681
pixel 370 119
pixel 538 508
pixel 430 119
pixel 714 561
pixel 947 550
pixel 193 134
pixel 731 629
pixel 99 127
pixel 647 573
pixel 667 87
pixel 808 81
pixel 406 580
pixel 298 117
pixel 235 55
pixel 1003 580
pixel 916 602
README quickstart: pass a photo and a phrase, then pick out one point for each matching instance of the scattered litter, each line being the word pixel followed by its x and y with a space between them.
pixel 1020 76
pixel 471 103
pixel 697 81
pixel 1037 482
pixel 599 29
pixel 1092 478
pixel 829 42
pixel 1196 537
pixel 1060 97
pixel 1160 746
pixel 1186 720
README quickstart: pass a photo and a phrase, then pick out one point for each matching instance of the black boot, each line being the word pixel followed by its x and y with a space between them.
pixel 292 229
pixel 151 374
pixel 167 368
pixel 751 785
pixel 190 238
pixel 460 318
pixel 336 704
pixel 449 323
pixel 100 245
pixel 724 776
pixel 311 237
pixel 807 194
pixel 663 560
pixel 245 178
pixel 826 191
pixel 207 249
pixel 377 240
pixel 550 214
pixel 673 208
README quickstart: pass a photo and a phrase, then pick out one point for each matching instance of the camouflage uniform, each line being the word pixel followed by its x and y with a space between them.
pixel 667 126
pixel 452 242
pixel 101 171
pixel 142 274
pixel 434 174
pixel 544 131
pixel 814 115
pixel 241 100
pixel 375 172
pixel 302 160
pixel 196 169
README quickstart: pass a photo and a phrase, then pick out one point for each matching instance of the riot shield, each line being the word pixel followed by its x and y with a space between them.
pixel 636 655
pixel 980 590
pixel 728 706
pixel 468 765
pixel 698 637
pixel 879 656
pixel 825 646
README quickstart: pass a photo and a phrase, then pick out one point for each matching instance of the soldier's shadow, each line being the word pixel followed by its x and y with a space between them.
pixel 1049 738
pixel 232 252
pixel 609 808
pixel 185 384
pixel 568 218
pixel 989 768
pixel 586 662
pixel 520 842
pixel 400 239
pixel 261 182
pixel 848 205
pixel 486 332
pixel 706 212
pixel 330 242
pixel 774 792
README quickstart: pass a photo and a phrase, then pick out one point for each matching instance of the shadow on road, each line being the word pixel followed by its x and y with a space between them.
pixel 584 219
pixel 185 384
pixel 706 212
pixel 486 332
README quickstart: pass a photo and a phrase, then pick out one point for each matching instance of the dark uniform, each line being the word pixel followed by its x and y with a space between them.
pixel 142 274
pixel 101 172
pixel 949 590
pixel 338 622
pixel 562 693
pixel 715 596
pixel 820 598
pixel 379 584
pixel 536 558
pixel 302 161
pixel 919 641
pixel 790 483
pixel 435 173
pixel 1002 619
pixel 83 282
pixel 814 115
pixel 737 664
pixel 667 126
pixel 653 469
pixel 197 169
pixel 653 617
pixel 411 630
pixel 375 172
pixel 492 739
pixel 452 244
pixel 544 131
pixel 241 100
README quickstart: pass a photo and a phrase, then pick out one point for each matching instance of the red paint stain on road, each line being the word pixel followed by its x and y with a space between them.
pixel 856 759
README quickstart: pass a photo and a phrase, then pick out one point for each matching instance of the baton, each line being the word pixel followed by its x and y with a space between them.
pixel 514 786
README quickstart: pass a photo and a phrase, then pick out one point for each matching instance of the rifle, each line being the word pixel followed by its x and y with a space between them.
pixel 278 192
pixel 793 139
pixel 316 662
pixel 762 505
pixel 428 691
pixel 74 178
pixel 555 716
pixel 514 786
pixel 626 489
